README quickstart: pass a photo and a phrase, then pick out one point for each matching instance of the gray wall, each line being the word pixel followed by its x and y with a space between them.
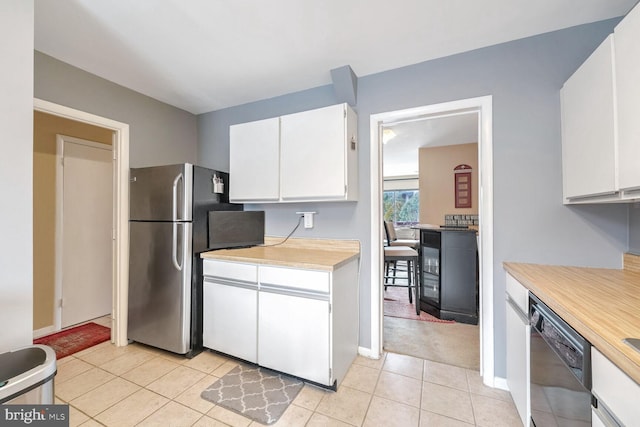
pixel 159 133
pixel 16 172
pixel 530 222
pixel 634 228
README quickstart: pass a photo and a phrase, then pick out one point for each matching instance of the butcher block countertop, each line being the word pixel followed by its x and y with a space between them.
pixel 603 305
pixel 315 254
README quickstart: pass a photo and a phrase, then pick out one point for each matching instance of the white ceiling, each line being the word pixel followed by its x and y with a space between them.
pixel 400 154
pixel 204 55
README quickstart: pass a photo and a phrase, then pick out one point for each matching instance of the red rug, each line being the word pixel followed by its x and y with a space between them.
pixel 75 339
pixel 396 304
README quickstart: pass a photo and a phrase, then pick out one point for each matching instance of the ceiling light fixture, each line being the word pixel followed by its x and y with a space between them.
pixel 387 135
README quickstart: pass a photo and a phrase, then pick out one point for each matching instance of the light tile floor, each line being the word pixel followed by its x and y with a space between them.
pixel 140 385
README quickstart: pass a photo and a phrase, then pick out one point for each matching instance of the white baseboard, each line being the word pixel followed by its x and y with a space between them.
pixel 44 331
pixel 366 352
pixel 501 383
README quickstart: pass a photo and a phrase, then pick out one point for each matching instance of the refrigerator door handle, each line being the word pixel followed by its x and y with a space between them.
pixel 179 178
pixel 174 247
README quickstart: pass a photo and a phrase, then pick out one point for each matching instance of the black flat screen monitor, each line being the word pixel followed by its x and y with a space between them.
pixel 234 229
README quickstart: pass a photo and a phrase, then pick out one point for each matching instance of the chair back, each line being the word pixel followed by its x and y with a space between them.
pixel 390 231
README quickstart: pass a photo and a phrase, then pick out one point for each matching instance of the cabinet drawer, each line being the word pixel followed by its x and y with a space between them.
pixel 309 280
pixel 230 270
pixel 518 293
pixel 615 389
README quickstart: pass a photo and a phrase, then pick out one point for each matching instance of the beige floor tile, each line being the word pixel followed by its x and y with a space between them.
pixel 293 416
pixel 310 396
pixel 206 421
pixel 361 378
pixel 176 381
pixel 76 417
pixel 494 412
pixel 206 362
pixel 82 383
pixel 319 420
pixel 70 369
pixel 399 388
pixel 126 362
pixel 172 414
pixel 104 354
pixel 91 423
pixel 443 374
pixel 104 396
pixel 228 417
pixel 402 364
pixel 191 396
pixel 67 359
pixel 150 371
pixel 224 369
pixel 370 363
pixel 447 401
pixel 477 387
pixel 429 419
pixel 347 404
pixel 132 410
pixel 384 412
pixel 101 346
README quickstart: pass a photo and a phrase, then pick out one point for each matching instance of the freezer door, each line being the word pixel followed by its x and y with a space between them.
pixel 160 266
pixel 161 193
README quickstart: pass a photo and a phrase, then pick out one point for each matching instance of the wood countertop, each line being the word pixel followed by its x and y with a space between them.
pixel 315 254
pixel 603 305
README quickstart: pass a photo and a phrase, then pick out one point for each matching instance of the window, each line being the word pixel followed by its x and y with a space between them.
pixel 402 207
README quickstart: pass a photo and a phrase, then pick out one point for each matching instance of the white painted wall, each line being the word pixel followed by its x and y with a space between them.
pixel 16 171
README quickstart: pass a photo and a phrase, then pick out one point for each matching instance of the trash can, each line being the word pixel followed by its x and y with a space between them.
pixel 26 375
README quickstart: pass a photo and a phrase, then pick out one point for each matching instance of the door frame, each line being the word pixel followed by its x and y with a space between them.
pixel 483 107
pixel 120 247
pixel 59 218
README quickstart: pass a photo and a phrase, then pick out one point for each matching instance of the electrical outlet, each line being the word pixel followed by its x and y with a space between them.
pixel 308 218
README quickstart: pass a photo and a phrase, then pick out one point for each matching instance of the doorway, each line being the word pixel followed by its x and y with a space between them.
pixel 483 107
pixel 84 212
pixel 120 235
pixel 420 157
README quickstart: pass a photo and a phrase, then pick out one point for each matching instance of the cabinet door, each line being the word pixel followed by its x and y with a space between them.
pixel 254 161
pixel 518 347
pixel 313 148
pixel 588 127
pixel 294 336
pixel 230 318
pixel 627 43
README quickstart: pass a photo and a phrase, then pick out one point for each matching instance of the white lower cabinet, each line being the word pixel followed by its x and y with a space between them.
pixel 618 395
pixel 294 335
pixel 298 321
pixel 229 319
pixel 518 347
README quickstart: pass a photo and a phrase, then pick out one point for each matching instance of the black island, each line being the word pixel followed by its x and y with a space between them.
pixel 448 269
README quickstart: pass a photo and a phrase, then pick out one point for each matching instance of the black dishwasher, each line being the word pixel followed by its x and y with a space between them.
pixel 560 370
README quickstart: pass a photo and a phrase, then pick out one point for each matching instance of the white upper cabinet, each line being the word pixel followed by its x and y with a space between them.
pixel 588 127
pixel 627 38
pixel 600 126
pixel 307 156
pixel 254 161
pixel 317 155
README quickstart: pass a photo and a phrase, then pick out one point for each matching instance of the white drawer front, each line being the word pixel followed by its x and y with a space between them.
pixel 619 393
pixel 310 280
pixel 230 270
pixel 518 293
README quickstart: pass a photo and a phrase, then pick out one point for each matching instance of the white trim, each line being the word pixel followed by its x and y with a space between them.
pixel 59 217
pixel 366 352
pixel 501 383
pixel 482 106
pixel 121 208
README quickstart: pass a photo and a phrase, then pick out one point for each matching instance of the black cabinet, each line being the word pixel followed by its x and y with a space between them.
pixel 449 274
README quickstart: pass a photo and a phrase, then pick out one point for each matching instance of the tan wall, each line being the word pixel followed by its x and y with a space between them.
pixel 45 128
pixel 437 181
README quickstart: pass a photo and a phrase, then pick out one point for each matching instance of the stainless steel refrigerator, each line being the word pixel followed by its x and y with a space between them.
pixel 168 208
